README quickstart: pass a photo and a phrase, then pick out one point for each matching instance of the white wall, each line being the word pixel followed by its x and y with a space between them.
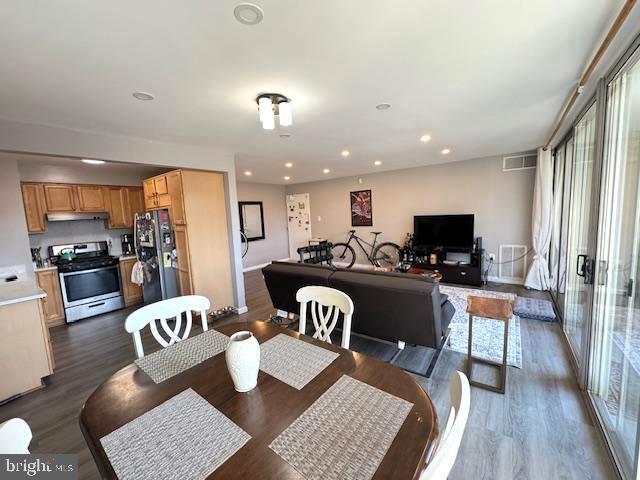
pixel 47 140
pixel 275 246
pixel 501 201
pixel 14 242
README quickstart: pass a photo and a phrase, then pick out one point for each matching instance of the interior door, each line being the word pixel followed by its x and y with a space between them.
pixel 579 255
pixel 299 218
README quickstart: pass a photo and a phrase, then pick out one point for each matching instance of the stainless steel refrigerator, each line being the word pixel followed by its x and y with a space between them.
pixel 155 248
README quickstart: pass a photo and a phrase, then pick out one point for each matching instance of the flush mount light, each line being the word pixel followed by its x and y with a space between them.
pixel 287 178
pixel 446 151
pixel 288 164
pixel 144 96
pixel 272 104
pixel 425 138
pixel 377 163
pixel 383 106
pixel 326 170
pixel 247 173
pixel 248 14
pixel 91 161
pixel 345 153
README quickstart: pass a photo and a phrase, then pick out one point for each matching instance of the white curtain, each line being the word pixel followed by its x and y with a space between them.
pixel 541 218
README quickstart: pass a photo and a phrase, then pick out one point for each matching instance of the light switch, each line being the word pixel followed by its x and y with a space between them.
pixel 319 218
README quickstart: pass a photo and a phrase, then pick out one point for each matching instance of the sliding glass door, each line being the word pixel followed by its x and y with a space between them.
pixel 578 262
pixel 614 380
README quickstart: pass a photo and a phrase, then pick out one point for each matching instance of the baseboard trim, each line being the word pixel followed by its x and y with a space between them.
pixel 262 265
pixel 510 281
pixel 242 310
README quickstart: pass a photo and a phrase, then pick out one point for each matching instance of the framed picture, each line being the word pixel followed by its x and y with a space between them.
pixel 361 213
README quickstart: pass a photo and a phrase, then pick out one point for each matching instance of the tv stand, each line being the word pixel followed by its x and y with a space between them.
pixel 464 274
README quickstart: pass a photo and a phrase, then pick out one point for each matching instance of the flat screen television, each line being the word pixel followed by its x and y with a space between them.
pixel 452 231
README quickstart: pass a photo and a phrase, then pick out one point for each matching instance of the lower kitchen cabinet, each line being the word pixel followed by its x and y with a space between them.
pixel 131 293
pixel 52 308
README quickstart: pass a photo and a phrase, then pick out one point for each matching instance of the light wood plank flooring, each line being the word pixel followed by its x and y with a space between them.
pixel 539 429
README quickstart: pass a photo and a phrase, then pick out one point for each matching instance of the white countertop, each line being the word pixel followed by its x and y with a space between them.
pixel 20 291
pixel 44 269
pixel 127 257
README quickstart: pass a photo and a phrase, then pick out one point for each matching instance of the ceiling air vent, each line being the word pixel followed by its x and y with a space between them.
pixel 525 161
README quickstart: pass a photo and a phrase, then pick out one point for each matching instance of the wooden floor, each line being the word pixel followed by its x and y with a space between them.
pixel 539 429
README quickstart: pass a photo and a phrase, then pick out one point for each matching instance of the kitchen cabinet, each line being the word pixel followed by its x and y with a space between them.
pixel 156 193
pixel 122 203
pixel 136 202
pixel 59 197
pixel 90 198
pixel 52 308
pixel 131 293
pixel 199 219
pixel 34 208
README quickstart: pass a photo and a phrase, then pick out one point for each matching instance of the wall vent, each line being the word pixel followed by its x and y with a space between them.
pixel 512 267
pixel 525 161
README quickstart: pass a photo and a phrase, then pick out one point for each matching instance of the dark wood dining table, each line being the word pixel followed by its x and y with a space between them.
pixel 264 412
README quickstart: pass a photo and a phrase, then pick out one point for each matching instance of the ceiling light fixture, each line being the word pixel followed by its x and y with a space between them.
pixel 248 14
pixel 91 161
pixel 285 135
pixel 287 178
pixel 272 104
pixel 425 138
pixel 247 173
pixel 383 106
pixel 446 151
pixel 345 153
pixel 144 96
pixel 326 170
pixel 377 163
pixel 288 164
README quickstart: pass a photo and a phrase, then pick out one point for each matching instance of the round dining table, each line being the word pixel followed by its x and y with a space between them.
pixel 264 412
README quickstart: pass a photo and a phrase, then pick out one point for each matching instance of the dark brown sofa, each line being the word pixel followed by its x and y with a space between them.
pixel 388 306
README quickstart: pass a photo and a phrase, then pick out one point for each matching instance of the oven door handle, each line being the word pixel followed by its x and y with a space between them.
pixel 80 272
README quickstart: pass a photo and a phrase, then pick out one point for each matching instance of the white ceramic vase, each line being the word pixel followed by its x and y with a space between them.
pixel 243 360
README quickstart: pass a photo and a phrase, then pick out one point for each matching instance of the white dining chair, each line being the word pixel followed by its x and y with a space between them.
pixel 15 437
pixel 326 304
pixel 163 311
pixel 445 453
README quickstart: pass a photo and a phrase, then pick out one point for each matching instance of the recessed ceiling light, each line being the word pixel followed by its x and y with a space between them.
pixel 248 13
pixel 383 106
pixel 288 164
pixel 91 161
pixel 287 178
pixel 425 138
pixel 345 153
pixel 143 96
pixel 446 151
pixel 247 173
pixel 377 163
pixel 326 170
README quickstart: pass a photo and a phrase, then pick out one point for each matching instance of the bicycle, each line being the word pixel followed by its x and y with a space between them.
pixel 386 254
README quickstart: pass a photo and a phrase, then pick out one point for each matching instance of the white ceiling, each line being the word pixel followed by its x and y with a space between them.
pixel 482 77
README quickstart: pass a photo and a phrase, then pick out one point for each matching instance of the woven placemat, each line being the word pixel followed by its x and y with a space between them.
pixel 184 437
pixel 293 361
pixel 345 433
pixel 177 358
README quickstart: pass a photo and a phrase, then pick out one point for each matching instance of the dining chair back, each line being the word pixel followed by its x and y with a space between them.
pixel 446 451
pixel 163 311
pixel 325 304
pixel 15 437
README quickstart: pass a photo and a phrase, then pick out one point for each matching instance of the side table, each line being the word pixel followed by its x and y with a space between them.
pixel 498 309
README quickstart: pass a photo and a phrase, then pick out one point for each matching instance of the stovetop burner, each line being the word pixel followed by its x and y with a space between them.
pixel 88 262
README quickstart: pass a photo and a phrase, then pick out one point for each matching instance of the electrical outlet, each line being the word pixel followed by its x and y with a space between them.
pixel 492 257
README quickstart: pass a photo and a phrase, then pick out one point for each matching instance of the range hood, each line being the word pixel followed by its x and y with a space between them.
pixel 67 216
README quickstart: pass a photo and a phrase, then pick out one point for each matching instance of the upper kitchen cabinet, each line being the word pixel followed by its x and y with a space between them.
pixel 59 197
pixel 136 202
pixel 122 204
pixel 174 186
pixel 34 208
pixel 156 193
pixel 91 198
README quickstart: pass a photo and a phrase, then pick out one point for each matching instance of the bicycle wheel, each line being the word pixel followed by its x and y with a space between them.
pixel 343 255
pixel 245 243
pixel 386 255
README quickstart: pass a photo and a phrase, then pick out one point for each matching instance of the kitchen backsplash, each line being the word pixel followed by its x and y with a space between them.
pixel 77 231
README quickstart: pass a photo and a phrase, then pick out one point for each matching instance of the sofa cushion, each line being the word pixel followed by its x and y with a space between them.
pixel 284 279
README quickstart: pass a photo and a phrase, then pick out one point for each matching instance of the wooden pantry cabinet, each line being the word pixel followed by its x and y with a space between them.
pixel 197 208
pixel 121 202
pixel 52 308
